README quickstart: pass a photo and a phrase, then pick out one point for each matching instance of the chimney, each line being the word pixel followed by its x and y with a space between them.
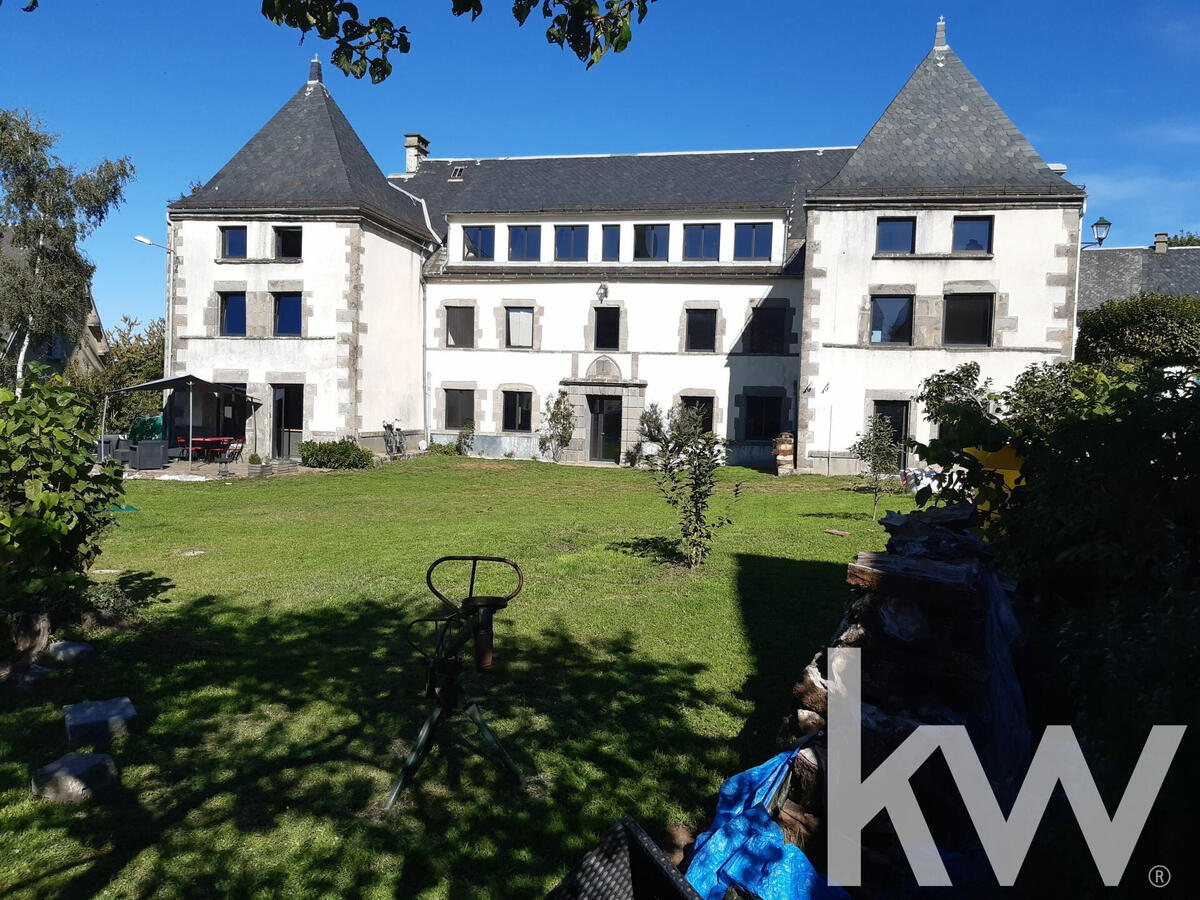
pixel 1160 242
pixel 314 70
pixel 939 34
pixel 416 148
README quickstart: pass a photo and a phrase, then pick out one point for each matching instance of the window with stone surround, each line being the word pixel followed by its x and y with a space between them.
pixel 766 330
pixel 525 242
pixel 233 242
pixel 289 315
pixel 233 315
pixel 702 405
pixel 460 408
pixel 518 411
pixel 288 243
pixel 479 242
pixel 460 326
pixel 764 418
pixel 896 234
pixel 518 327
pixel 967 320
pixel 701 330
pixel 608 328
pixel 891 320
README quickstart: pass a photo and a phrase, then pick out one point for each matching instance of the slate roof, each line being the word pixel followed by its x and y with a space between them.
pixel 943 134
pixel 757 180
pixel 1117 272
pixel 307 157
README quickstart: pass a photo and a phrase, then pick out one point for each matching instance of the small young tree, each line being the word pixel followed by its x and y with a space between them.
pixel 558 425
pixel 879 451
pixel 651 429
pixel 685 470
pixel 46 209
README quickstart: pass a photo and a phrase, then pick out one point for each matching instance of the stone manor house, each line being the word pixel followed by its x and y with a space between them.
pixel 776 290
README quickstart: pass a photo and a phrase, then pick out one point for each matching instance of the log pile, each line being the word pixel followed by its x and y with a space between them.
pixel 919 614
pixel 784 452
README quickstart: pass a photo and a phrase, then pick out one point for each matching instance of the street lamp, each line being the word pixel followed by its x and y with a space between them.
pixel 1099 232
pixel 602 291
pixel 169 330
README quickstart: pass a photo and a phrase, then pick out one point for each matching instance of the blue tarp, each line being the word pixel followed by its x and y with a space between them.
pixel 745 846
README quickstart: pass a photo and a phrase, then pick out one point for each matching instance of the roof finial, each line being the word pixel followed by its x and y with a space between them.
pixel 314 70
pixel 939 36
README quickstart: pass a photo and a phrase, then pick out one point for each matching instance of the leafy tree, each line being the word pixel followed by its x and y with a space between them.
pixel 558 426
pixel 135 356
pixel 685 470
pixel 1147 327
pixel 362 43
pixel 55 503
pixel 878 449
pixel 47 207
pixel 1184 239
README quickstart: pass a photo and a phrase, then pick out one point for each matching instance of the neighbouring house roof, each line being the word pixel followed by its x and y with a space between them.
pixel 307 158
pixel 751 180
pixel 1113 273
pixel 944 135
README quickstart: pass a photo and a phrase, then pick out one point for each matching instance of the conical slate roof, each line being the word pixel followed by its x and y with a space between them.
pixel 944 135
pixel 308 158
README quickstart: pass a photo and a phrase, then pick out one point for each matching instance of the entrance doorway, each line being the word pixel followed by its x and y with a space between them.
pixel 605 439
pixel 896 412
pixel 289 419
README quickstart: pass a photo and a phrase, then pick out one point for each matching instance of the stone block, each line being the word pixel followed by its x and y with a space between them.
pixel 71 653
pixel 75 778
pixel 94 722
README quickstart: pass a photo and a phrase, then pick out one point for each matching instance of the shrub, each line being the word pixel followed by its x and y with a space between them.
pixel 685 470
pixel 255 459
pixel 465 442
pixel 558 425
pixel 436 449
pixel 1147 327
pixel 53 506
pixel 343 454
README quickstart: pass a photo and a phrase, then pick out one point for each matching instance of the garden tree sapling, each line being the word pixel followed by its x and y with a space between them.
pixel 685 471
pixel 46 209
pixel 878 450
pixel 558 425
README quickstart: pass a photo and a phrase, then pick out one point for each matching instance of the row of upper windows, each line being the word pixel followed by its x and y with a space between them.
pixel 763 416
pixel 288 241
pixel 966 320
pixel 898 234
pixel 288 315
pixel 751 241
pixel 765 333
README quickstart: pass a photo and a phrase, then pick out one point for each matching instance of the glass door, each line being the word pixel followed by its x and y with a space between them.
pixel 289 419
pixel 605 439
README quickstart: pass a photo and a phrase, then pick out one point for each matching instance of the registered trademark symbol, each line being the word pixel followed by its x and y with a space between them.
pixel 1160 876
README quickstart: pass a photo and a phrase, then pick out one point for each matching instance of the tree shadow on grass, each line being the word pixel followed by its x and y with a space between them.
pixel 662 550
pixel 269 743
pixel 790 609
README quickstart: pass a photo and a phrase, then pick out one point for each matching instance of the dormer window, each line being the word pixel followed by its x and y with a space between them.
pixel 525 242
pixel 457 173
pixel 752 240
pixel 701 241
pixel 233 242
pixel 650 241
pixel 479 242
pixel 288 243
pixel 571 242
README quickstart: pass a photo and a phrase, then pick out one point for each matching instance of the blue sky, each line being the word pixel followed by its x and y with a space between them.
pixel 1107 88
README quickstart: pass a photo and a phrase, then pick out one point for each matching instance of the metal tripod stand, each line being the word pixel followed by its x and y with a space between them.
pixel 470 622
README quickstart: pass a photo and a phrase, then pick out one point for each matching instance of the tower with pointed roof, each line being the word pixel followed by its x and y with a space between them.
pixel 943 238
pixel 297 276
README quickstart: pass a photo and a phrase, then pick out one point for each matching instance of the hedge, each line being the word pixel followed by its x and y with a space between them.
pixel 1146 327
pixel 343 454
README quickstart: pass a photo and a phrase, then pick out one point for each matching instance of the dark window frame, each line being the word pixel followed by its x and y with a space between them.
pixel 707 231
pixel 760 417
pixel 607 231
pixel 957 300
pixel 660 236
pixel 529 235
pixel 871 322
pixel 762 338
pixel 754 252
pixel 299 298
pixel 616 328
pixel 479 242
pixel 282 234
pixel 574 231
pixel 991 233
pixel 508 311
pixel 518 407
pixel 225 232
pixel 470 345
pixel 225 298
pixel 687 330
pixel 466 415
pixel 912 244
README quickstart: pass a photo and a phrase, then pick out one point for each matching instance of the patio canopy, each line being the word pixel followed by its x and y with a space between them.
pixel 191 384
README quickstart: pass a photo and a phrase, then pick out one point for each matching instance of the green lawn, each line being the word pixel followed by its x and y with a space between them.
pixel 278 697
